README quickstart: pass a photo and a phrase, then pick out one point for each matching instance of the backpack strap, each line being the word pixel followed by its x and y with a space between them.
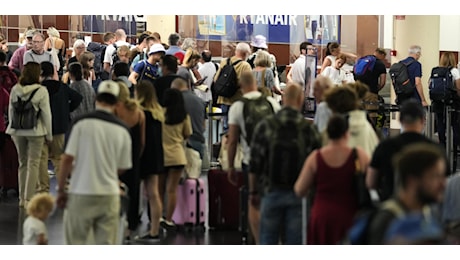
pixel 32 95
pixel 141 77
pixel 393 207
pixel 408 63
pixel 234 63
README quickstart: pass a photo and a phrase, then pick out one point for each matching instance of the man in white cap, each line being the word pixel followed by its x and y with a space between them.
pixel 148 69
pixel 97 151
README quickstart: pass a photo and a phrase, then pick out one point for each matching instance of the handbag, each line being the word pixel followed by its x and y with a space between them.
pixel 223 155
pixel 363 196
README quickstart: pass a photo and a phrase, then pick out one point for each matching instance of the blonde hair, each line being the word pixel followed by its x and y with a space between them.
pixel 187 44
pixel 263 59
pixel 124 98
pixel 447 59
pixel 123 48
pixel 189 56
pixel 147 98
pixel 39 203
pixel 53 32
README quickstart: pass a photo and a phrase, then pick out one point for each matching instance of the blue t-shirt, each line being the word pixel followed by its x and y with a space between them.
pixel 146 71
pixel 414 70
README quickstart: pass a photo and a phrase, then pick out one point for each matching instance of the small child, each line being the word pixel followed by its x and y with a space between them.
pixel 335 72
pixel 34 228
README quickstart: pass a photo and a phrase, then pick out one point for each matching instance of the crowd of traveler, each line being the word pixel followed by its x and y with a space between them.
pixel 130 122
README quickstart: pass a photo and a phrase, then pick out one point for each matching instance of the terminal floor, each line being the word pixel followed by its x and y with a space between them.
pixel 12 217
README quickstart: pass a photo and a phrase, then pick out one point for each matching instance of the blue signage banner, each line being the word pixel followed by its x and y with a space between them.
pixel 318 29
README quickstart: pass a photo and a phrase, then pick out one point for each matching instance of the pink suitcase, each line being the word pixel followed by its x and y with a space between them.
pixel 190 205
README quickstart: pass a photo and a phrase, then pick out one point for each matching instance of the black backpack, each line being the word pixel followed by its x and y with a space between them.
pixel 287 152
pixel 403 87
pixel 24 114
pixel 442 87
pixel 115 57
pixel 254 110
pixel 226 83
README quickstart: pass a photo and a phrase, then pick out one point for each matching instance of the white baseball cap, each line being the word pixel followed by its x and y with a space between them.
pixel 157 48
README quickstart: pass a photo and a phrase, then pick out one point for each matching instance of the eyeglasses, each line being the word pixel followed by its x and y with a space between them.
pixel 311 49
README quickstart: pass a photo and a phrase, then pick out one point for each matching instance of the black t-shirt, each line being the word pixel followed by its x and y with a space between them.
pixel 73 59
pixel 371 78
pixel 383 156
pixel 162 84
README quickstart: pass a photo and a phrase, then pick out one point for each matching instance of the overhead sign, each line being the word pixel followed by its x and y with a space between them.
pixel 132 24
pixel 276 28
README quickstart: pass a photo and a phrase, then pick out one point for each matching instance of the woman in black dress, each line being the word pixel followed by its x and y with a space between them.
pixel 152 161
pixel 133 116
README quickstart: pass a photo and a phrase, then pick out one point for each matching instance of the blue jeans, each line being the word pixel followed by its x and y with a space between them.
pixel 281 208
pixel 225 109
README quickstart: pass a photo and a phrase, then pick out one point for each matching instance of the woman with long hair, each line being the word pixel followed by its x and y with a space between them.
pixel 55 44
pixel 333 51
pixel 188 70
pixel 176 129
pixel 447 62
pixel 87 63
pixel 133 116
pixel 29 142
pixel 152 160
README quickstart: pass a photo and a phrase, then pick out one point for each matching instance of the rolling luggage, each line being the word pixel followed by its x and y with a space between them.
pixel 224 203
pixel 9 165
pixel 189 213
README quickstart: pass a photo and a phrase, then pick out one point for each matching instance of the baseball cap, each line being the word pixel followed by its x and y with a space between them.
pixel 411 109
pixel 157 48
pixel 412 229
pixel 109 87
pixel 259 41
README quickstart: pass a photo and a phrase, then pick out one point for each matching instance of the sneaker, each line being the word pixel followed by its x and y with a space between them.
pixel 169 226
pixel 147 239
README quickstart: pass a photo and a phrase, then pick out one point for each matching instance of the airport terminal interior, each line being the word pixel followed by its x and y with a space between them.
pixel 283 37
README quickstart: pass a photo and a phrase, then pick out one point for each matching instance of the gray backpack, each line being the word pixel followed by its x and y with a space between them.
pixel 24 114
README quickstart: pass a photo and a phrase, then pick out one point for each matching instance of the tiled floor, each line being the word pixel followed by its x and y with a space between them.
pixel 11 219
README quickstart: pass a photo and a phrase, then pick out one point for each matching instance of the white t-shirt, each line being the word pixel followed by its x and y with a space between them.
pixel 32 228
pixel 455 73
pixel 100 148
pixel 298 70
pixel 337 76
pixel 235 117
pixel 111 49
pixel 322 115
